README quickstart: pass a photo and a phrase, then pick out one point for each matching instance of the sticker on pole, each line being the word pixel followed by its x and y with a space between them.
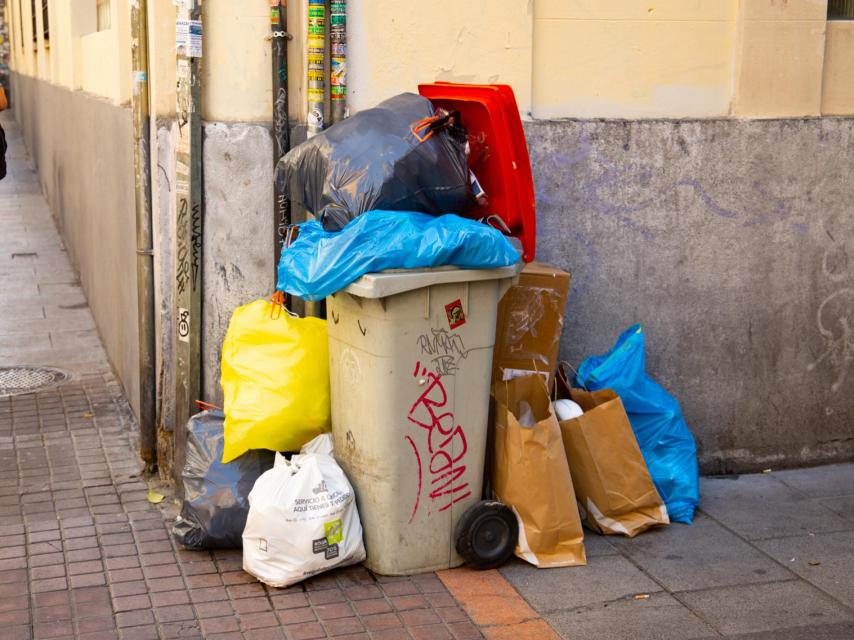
pixel 188 38
pixel 456 315
pixel 183 324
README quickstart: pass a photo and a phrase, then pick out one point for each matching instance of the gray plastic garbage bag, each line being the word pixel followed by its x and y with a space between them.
pixel 215 494
pixel 374 160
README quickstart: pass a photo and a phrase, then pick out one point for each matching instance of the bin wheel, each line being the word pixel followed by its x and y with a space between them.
pixel 486 535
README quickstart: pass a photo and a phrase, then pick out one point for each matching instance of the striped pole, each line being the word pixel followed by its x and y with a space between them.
pixel 338 75
pixel 316 65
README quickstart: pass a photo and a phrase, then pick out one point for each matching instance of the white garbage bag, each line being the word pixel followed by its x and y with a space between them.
pixel 302 518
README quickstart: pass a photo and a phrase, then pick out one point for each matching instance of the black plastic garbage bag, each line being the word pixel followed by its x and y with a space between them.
pixel 215 494
pixel 381 159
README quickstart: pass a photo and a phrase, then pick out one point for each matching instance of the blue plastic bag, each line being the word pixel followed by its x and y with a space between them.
pixel 665 441
pixel 319 263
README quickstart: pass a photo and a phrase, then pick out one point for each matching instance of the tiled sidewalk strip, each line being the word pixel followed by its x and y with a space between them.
pixel 495 606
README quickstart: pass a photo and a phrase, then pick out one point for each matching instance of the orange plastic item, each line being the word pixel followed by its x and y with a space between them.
pixel 499 154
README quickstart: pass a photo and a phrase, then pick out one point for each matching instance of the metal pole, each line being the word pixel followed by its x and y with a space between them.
pixel 281 127
pixel 188 227
pixel 316 88
pixel 144 235
pixel 338 73
pixel 316 65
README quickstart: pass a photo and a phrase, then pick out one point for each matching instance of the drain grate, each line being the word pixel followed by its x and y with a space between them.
pixel 15 381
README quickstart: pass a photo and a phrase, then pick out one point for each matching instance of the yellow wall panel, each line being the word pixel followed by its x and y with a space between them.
pixel 837 96
pixel 396 45
pixel 564 58
pixel 161 56
pixel 236 63
pixel 628 69
pixel 61 43
pixel 780 68
pixel 100 65
pixel 635 9
pixel 121 27
pixel 784 9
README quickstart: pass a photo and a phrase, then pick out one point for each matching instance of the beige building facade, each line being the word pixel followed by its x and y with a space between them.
pixel 563 58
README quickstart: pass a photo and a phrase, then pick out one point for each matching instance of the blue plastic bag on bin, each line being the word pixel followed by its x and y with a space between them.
pixel 665 441
pixel 319 263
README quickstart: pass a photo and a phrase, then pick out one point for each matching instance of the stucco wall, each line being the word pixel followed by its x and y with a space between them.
pixel 82 146
pixel 236 65
pixel 395 45
pixel 780 57
pixel 670 58
pixel 563 58
pixel 838 81
pixel 730 241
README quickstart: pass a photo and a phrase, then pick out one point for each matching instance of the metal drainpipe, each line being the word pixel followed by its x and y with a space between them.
pixel 144 234
pixel 279 37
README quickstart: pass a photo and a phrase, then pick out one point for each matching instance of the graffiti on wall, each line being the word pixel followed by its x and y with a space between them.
pixel 608 194
pixel 835 314
pixel 625 191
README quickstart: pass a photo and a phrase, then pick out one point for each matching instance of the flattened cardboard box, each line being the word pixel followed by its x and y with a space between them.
pixel 530 321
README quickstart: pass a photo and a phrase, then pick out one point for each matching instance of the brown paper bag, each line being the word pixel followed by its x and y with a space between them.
pixel 613 487
pixel 530 474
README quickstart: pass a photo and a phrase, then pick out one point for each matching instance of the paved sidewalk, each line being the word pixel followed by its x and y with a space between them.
pixel 83 554
pixel 770 556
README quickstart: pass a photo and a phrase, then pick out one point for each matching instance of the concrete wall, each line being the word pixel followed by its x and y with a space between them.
pixel 82 146
pixel 238 233
pixel 730 241
pixel 238 260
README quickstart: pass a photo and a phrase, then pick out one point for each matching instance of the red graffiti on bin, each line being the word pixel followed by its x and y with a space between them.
pixel 444 437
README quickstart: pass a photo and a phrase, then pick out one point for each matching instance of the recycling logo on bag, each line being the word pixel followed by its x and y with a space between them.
pixel 299 510
pixel 334 534
pixel 334 531
pixel 320 488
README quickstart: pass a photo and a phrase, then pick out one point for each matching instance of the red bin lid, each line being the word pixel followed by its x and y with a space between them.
pixel 499 154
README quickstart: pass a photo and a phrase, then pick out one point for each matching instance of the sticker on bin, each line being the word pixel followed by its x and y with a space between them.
pixel 456 315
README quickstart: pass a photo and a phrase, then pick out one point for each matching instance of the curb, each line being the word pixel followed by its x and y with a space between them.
pixel 495 606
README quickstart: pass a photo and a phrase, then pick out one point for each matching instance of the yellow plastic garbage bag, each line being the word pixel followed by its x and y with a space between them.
pixel 275 380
